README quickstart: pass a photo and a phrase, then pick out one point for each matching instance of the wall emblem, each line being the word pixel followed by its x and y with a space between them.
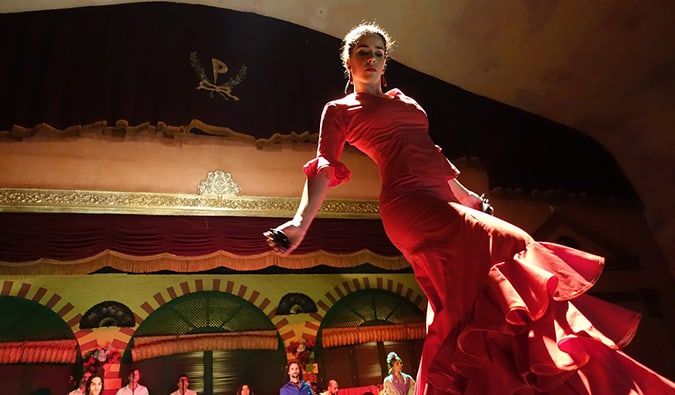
pixel 219 67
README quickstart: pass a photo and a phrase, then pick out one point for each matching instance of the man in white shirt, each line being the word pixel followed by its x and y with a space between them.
pixel 332 389
pixel 183 382
pixel 134 387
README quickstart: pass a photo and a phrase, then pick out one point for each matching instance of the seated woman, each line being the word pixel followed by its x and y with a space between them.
pixel 398 382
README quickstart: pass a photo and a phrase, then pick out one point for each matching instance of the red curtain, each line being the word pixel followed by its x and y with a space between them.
pixel 61 236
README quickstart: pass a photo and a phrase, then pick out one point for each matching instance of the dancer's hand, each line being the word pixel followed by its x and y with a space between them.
pixel 288 237
pixel 469 198
pixel 485 205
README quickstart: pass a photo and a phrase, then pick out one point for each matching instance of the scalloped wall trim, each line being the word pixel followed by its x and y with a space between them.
pixel 183 264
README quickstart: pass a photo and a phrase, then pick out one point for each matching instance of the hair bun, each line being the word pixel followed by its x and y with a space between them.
pixel 392 356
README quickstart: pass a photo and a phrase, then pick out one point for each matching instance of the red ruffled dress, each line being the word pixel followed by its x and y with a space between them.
pixel 508 315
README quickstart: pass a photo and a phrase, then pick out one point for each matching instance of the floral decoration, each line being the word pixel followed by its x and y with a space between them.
pixel 95 360
pixel 302 351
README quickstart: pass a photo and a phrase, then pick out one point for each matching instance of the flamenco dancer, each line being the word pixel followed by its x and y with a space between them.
pixel 507 314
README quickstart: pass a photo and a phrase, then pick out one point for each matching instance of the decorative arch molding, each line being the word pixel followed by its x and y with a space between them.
pixel 86 338
pixel 358 284
pixel 45 297
pixel 347 287
pixel 227 286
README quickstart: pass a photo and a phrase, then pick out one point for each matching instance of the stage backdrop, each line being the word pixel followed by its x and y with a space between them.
pixel 172 63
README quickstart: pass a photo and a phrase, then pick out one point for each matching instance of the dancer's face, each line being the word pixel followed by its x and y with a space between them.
pixel 367 61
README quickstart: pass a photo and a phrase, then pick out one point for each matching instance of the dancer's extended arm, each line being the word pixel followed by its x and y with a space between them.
pixel 313 195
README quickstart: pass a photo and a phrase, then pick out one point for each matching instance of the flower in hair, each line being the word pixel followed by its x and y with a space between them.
pixel 392 356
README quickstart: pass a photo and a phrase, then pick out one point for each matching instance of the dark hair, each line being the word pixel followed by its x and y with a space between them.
pixel 182 375
pixel 89 381
pixel 131 371
pixel 294 361
pixel 364 28
pixel 250 391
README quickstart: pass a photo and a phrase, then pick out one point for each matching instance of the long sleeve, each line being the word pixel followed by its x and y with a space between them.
pixel 389 387
pixel 330 146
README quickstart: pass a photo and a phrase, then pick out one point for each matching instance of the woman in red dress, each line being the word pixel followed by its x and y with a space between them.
pixel 507 314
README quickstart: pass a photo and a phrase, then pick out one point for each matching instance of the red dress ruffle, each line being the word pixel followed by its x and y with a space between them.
pixel 340 172
pixel 529 327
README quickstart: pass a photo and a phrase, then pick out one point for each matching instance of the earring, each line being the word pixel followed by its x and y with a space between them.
pixel 349 82
pixel 384 81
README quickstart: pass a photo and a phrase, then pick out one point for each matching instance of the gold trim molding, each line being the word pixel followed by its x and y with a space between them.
pixel 146 203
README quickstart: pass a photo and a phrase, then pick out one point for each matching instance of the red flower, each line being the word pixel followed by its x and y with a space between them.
pixel 301 350
pixel 293 347
pixel 96 360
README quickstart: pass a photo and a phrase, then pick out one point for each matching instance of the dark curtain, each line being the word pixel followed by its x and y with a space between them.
pixel 365 364
pixel 218 372
pixel 31 236
pixel 36 379
pixel 133 62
